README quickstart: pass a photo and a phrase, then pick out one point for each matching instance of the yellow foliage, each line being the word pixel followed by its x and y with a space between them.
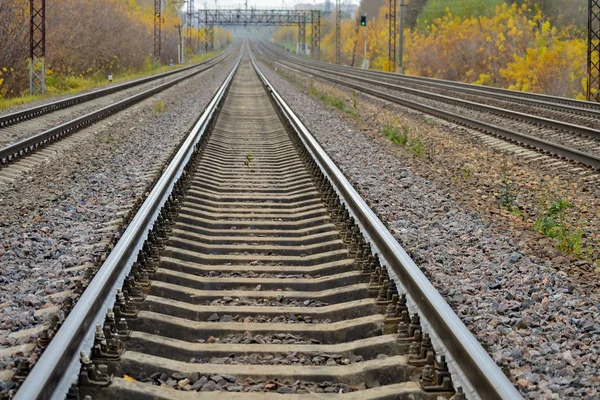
pixel 515 47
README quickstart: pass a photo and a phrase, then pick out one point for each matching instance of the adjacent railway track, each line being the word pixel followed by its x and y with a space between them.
pixel 514 97
pixel 24 132
pixel 577 143
pixel 18 117
pixel 253 266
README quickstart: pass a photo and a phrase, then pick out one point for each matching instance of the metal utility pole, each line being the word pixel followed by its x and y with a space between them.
pixel 206 32
pixel 189 16
pixel 218 30
pixel 401 50
pixel 37 47
pixel 365 62
pixel 180 55
pixel 338 31
pixel 316 34
pixel 393 30
pixel 593 56
pixel 157 30
pixel 358 25
pixel 198 32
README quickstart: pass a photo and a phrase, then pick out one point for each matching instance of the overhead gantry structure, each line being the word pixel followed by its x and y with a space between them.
pixel 255 17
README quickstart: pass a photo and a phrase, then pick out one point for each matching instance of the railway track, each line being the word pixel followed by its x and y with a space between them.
pixel 18 117
pixel 26 131
pixel 566 140
pixel 254 269
pixel 510 98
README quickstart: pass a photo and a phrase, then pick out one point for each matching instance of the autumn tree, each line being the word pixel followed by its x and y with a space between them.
pixel 84 38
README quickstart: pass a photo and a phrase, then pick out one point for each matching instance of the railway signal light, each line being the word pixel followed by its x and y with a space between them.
pixel 363 20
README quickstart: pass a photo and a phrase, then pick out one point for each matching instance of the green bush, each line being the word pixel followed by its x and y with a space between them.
pixel 551 223
pixel 392 132
pixel 416 147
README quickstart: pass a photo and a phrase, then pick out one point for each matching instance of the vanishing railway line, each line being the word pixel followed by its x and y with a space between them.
pixel 26 131
pixel 254 266
pixel 509 98
pixel 577 139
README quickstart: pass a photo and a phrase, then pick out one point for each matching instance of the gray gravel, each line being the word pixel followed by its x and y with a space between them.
pixel 535 322
pixel 252 274
pixel 294 358
pixel 291 318
pixel 52 216
pixel 229 383
pixel 248 338
pixel 279 301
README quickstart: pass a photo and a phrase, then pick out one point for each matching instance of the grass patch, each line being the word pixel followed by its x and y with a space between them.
pixel 248 160
pixel 17 101
pixel 354 100
pixel 399 136
pixel 416 147
pixel 332 100
pixel 466 171
pixel 159 107
pixel 392 132
pixel 551 222
pixel 507 193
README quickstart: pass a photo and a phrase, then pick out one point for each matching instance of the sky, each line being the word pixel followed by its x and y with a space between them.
pixel 259 3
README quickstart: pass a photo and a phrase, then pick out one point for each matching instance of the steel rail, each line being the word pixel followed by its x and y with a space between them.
pixel 559 150
pixel 34 112
pixel 581 107
pixel 515 115
pixel 562 106
pixel 483 376
pixel 27 145
pixel 49 374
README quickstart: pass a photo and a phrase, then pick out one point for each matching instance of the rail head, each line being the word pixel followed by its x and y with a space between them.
pixel 477 373
pixel 57 367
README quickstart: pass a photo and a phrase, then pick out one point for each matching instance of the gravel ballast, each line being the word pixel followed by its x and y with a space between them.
pixel 537 323
pixel 63 213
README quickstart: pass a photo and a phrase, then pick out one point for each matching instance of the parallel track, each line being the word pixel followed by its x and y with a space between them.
pixel 39 128
pixel 563 104
pixel 18 117
pixel 573 142
pixel 262 267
